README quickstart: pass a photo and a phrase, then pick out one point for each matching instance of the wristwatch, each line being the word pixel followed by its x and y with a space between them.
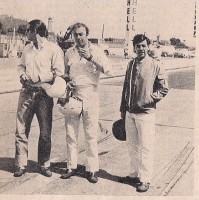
pixel 54 73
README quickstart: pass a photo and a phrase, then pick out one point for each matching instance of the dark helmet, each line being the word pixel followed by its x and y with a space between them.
pixel 118 130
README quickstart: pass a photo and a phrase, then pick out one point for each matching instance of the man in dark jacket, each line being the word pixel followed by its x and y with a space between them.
pixel 145 84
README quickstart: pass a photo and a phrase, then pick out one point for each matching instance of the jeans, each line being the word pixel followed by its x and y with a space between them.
pixel 33 102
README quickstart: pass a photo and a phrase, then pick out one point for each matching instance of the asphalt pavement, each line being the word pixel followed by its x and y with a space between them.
pixel 174 160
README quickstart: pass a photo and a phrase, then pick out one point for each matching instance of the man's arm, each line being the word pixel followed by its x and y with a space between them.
pixel 66 68
pixel 102 64
pixel 58 62
pixel 69 84
pixel 21 68
pixel 123 99
pixel 98 58
pixel 160 85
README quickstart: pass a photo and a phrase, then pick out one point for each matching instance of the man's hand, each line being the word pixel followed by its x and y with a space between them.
pixel 62 101
pixel 156 96
pixel 85 53
pixel 123 115
pixel 24 79
pixel 70 86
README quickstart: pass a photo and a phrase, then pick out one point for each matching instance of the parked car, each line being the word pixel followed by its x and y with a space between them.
pixel 178 55
pixel 164 54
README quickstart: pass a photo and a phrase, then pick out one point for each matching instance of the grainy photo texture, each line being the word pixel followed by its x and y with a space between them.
pixel 98 98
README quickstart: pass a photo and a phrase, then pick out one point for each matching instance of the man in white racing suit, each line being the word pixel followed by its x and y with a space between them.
pixel 84 62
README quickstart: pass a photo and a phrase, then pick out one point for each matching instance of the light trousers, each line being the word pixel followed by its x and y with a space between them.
pixel 90 118
pixel 140 132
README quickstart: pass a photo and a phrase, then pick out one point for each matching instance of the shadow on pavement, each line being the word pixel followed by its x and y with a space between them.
pixel 105 175
pixel 60 167
pixel 32 167
pixel 7 164
pixel 125 180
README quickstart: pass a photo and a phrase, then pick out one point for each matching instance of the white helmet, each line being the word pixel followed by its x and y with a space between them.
pixel 72 107
pixel 57 89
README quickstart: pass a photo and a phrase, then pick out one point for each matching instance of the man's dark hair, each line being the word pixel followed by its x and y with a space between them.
pixel 140 38
pixel 39 27
pixel 78 25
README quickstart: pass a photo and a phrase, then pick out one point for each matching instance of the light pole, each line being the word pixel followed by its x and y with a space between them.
pixel 103 32
pixel 194 31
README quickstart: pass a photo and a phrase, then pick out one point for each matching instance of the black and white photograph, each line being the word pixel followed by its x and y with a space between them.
pixel 98 99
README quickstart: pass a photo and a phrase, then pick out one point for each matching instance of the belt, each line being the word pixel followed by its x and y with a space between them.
pixel 32 88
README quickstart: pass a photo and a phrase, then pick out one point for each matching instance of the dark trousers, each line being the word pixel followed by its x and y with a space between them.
pixel 33 102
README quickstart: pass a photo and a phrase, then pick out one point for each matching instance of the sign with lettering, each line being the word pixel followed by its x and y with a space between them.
pixel 130 21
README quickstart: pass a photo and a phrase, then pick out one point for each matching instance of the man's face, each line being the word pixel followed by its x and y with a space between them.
pixel 141 49
pixel 80 37
pixel 31 35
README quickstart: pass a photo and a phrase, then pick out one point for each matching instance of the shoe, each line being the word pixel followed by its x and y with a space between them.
pixel 68 173
pixel 19 172
pixel 143 187
pixel 45 171
pixel 92 177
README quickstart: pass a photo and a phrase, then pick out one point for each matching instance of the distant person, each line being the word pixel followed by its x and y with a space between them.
pixel 126 53
pixel 145 84
pixel 84 62
pixel 106 52
pixel 41 62
pixel 155 51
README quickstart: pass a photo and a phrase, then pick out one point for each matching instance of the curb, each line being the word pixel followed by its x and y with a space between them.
pixel 185 167
pixel 168 177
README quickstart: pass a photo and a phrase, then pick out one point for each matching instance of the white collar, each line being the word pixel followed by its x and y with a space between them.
pixel 41 44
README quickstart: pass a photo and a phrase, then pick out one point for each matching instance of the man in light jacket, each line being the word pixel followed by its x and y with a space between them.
pixel 145 84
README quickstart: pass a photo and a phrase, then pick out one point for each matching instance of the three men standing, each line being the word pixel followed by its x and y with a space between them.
pixel 84 62
pixel 41 62
pixel 145 84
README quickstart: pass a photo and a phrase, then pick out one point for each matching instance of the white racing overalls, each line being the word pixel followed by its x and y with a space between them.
pixel 85 76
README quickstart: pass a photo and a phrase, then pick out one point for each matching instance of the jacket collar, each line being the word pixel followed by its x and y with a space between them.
pixel 143 61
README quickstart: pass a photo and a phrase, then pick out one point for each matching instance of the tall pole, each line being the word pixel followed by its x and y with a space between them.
pixel 50 24
pixel 103 32
pixel 13 35
pixel 194 31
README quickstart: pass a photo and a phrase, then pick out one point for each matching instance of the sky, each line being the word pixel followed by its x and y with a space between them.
pixel 167 18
